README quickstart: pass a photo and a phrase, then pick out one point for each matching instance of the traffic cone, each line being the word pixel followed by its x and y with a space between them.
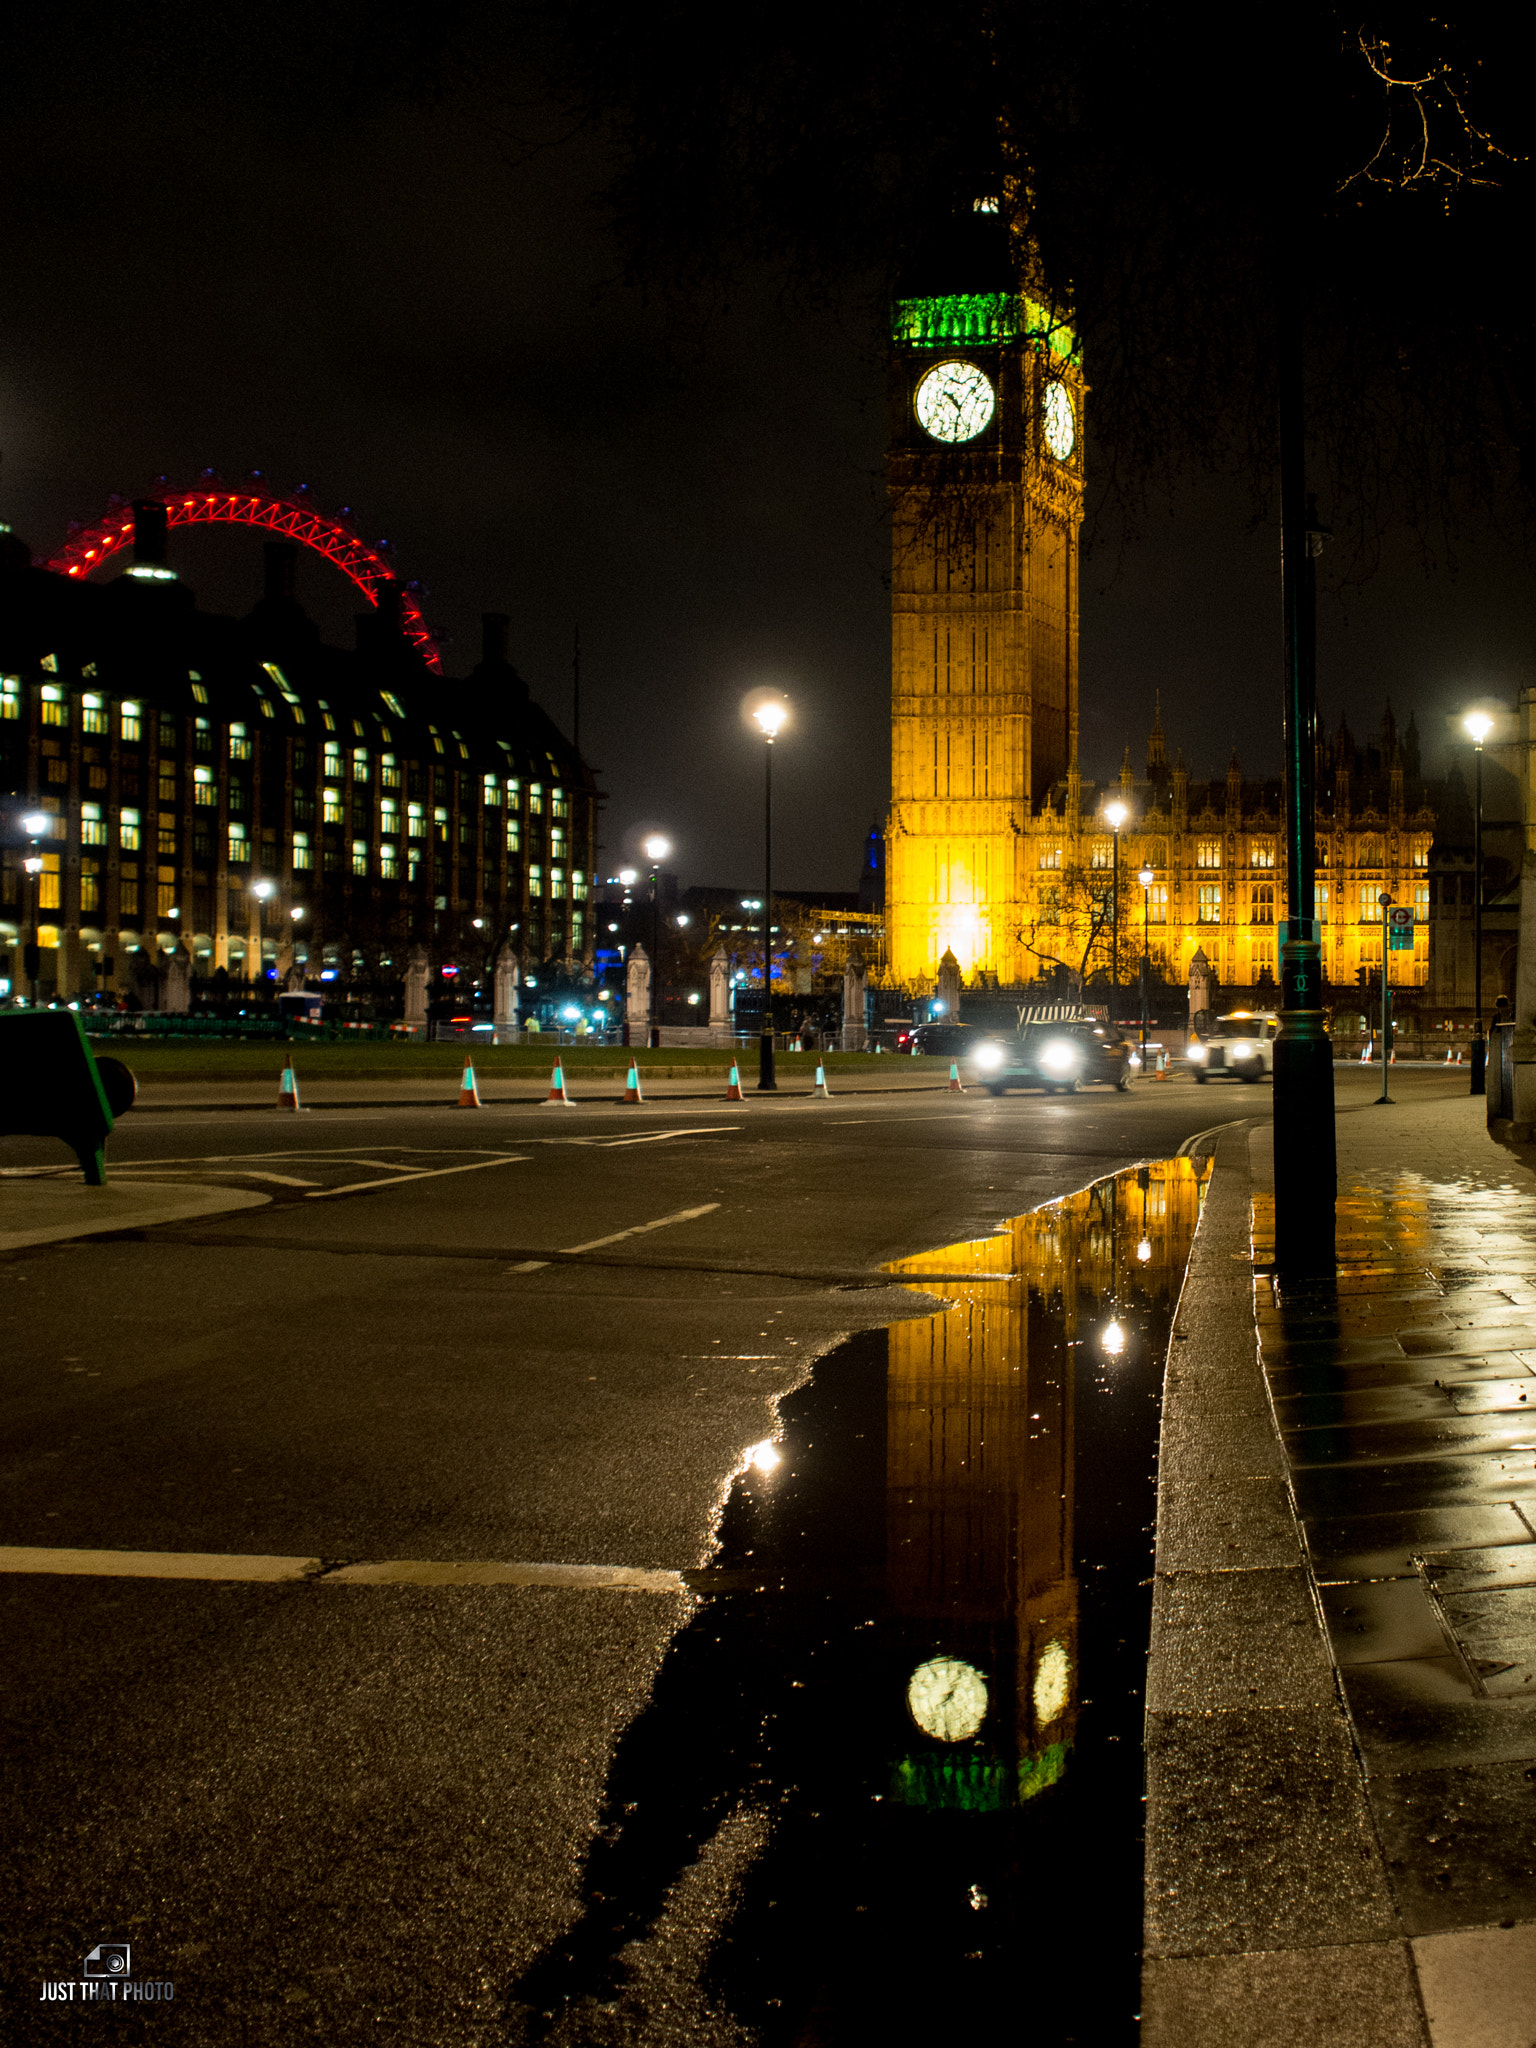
pixel 288 1090
pixel 955 1085
pixel 733 1086
pixel 469 1093
pixel 557 1088
pixel 819 1087
pixel 632 1089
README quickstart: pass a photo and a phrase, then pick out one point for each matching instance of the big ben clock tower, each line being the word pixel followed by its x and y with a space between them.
pixel 985 476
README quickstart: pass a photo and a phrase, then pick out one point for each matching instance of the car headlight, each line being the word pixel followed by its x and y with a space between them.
pixel 1059 1058
pixel 1242 1050
pixel 1196 1052
pixel 988 1056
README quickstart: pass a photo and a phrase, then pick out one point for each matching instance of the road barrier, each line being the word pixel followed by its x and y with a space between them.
pixel 288 1089
pixel 633 1092
pixel 469 1092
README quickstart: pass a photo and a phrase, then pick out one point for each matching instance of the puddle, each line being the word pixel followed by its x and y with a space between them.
pixel 897 1746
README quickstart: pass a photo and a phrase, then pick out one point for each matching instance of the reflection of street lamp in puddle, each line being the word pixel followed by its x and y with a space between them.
pixel 765 1457
pixel 1112 1341
pixel 1144 1250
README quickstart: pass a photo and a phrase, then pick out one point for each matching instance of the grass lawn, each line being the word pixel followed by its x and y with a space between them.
pixel 226 1060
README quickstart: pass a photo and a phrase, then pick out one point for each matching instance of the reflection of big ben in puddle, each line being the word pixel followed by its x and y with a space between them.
pixel 980 1475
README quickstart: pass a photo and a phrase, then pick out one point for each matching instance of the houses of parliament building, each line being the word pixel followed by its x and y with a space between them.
pixel 993 832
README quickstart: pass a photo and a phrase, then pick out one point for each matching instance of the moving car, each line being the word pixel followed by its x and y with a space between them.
pixel 1242 1043
pixel 1056 1057
pixel 952 1040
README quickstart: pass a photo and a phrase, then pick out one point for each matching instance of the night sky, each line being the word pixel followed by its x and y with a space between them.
pixel 263 244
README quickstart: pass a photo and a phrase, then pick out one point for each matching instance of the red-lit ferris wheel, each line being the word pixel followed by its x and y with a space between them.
pixel 210 503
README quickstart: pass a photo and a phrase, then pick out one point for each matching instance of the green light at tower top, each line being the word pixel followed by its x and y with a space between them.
pixel 981 320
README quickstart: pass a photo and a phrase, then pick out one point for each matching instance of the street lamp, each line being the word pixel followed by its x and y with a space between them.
pixel 35 824
pixel 1116 813
pixel 770 716
pixel 1146 877
pixel 1478 726
pixel 656 850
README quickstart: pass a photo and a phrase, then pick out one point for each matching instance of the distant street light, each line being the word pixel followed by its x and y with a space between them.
pixel 263 889
pixel 1146 877
pixel 770 716
pixel 1478 725
pixel 1116 813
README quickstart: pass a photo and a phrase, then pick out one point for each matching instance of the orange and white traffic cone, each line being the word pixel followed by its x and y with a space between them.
pixel 632 1089
pixel 819 1086
pixel 733 1086
pixel 557 1088
pixel 288 1090
pixel 956 1086
pixel 469 1093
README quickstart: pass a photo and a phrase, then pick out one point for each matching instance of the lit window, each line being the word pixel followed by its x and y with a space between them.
pixel 557 882
pixel 440 820
pixel 128 831
pixel 535 798
pixel 93 830
pixel 93 715
pixel 204 789
pixel 128 896
pixel 239 848
pixel 1210 903
pixel 389 863
pixel 389 772
pixel 1103 853
pixel 1370 909
pixel 1421 853
pixel 167 837
pixel 514 791
pixel 1263 906
pixel 267 709
pixel 333 758
pixel 514 834
pixel 556 841
pixel 54 709
pixel 1261 853
pixel 1322 902
pixel 1050 857
pixel 200 693
pixel 492 790
pixel 359 764
pixel 558 806
pixel 303 857
pixel 359 856
pixel 129 721
pixel 90 885
pixel 48 883
pixel 416 824
pixel 10 696
pixel 1208 853
pixel 389 813
pixel 1320 853
pixel 1421 902
pixel 392 703
pixel 1157 903
pixel 578 882
pixel 333 811
pixel 165 903
pixel 239 743
pixel 535 880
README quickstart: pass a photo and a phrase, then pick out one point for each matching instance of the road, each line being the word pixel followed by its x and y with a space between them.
pixel 327 1789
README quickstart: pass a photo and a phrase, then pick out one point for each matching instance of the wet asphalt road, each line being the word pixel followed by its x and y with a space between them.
pixel 358 1811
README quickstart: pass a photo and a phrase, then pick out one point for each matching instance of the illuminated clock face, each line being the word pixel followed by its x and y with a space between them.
pixel 955 401
pixel 1060 426
pixel 947 1699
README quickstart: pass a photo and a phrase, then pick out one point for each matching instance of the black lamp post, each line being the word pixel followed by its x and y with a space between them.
pixel 770 717
pixel 1116 813
pixel 35 824
pixel 1479 725
pixel 1146 877
pixel 656 850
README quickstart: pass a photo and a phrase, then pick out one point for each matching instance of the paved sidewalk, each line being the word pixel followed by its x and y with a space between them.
pixel 1406 1401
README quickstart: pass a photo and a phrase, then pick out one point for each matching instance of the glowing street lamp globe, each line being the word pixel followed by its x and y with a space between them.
pixel 656 847
pixel 1478 725
pixel 771 717
pixel 35 824
pixel 1146 877
pixel 262 890
pixel 1117 813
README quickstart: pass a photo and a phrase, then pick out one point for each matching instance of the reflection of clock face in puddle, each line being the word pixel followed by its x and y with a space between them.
pixel 955 402
pixel 947 1699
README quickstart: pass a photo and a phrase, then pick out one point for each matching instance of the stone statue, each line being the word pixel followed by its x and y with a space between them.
pixel 948 990
pixel 416 989
pixel 637 1008
pixel 1200 991
pixel 504 1014
pixel 178 982
pixel 855 987
pixel 720 991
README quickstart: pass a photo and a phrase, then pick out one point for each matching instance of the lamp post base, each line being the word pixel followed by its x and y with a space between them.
pixel 766 1078
pixel 1479 1067
pixel 1306 1157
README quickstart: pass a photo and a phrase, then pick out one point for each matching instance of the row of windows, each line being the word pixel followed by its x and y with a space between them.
pixel 1209 854
pixel 1262 904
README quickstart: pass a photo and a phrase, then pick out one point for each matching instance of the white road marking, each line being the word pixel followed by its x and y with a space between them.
pixel 230 1172
pixel 639 1229
pixel 396 1180
pixel 655 1137
pixel 213 1566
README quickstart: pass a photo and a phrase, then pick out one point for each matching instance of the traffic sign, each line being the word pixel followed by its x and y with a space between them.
pixel 1400 928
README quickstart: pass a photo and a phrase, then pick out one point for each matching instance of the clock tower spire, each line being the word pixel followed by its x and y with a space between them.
pixel 985 479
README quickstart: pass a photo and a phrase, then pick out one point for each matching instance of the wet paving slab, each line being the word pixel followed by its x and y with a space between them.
pixel 1406 1400
pixel 904 1717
